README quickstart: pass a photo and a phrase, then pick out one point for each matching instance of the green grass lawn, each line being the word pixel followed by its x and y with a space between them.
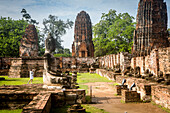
pixel 11 111
pixel 87 77
pixel 20 81
pixel 89 109
pixel 81 78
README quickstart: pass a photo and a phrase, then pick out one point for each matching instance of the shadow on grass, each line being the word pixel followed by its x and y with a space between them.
pixel 9 80
pixel 78 74
pixel 59 110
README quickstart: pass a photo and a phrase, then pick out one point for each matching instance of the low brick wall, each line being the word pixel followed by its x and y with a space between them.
pixel 40 104
pixel 37 99
pixel 130 96
pixel 20 67
pixel 108 74
pixel 74 95
pixel 119 89
pixel 4 72
pixel 157 60
pixel 15 100
pixel 160 93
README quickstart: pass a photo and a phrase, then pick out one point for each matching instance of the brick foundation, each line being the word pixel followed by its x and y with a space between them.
pixel 34 98
pixel 119 89
pixel 130 96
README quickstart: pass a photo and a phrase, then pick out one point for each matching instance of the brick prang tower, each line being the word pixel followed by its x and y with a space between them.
pixel 151 29
pixel 29 42
pixel 83 45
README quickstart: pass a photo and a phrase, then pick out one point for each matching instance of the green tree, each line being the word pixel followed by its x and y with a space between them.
pixel 11 32
pixel 57 28
pixel 27 17
pixel 113 34
pixel 63 53
pixel 67 51
pixel 41 42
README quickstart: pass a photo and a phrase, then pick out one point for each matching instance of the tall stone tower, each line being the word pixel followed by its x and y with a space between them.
pixel 83 45
pixel 151 29
pixel 29 42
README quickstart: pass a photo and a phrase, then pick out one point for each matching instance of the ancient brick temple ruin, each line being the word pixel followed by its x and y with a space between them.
pixel 151 48
pixel 149 63
pixel 29 42
pixel 151 29
pixel 28 55
pixel 83 44
pixel 148 66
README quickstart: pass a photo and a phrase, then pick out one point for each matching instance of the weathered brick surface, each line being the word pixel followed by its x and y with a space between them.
pixel 83 45
pixel 130 96
pixel 34 98
pixel 151 28
pixel 70 62
pixel 119 89
pixel 29 42
pixel 121 60
pixel 20 66
pixel 40 103
pixel 161 95
pixel 73 95
pixel 150 43
pixel 5 62
pixel 157 60
pixel 108 74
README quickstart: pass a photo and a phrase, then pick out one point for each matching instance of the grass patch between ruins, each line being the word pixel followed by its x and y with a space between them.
pixel 20 81
pixel 11 111
pixel 89 109
pixel 87 78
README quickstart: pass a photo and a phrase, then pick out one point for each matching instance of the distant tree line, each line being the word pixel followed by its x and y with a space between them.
pixel 11 32
pixel 113 34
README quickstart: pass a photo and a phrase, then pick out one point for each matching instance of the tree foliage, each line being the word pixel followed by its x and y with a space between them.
pixel 63 53
pixel 11 32
pixel 113 34
pixel 57 28
pixel 27 17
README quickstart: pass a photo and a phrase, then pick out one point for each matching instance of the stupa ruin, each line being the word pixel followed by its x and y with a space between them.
pixel 83 45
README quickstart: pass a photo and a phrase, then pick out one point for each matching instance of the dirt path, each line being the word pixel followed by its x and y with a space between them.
pixel 103 96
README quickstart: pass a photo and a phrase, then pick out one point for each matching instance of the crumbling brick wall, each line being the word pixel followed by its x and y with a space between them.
pixel 164 59
pixel 161 95
pixel 20 67
pixel 157 60
pixel 121 60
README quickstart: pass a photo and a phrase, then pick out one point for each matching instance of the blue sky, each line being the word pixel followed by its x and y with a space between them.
pixel 40 9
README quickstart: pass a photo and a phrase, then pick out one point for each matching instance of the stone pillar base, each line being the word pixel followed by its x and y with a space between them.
pixel 130 96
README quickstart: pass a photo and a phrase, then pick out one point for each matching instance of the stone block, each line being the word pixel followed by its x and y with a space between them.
pixel 119 89
pixel 130 96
